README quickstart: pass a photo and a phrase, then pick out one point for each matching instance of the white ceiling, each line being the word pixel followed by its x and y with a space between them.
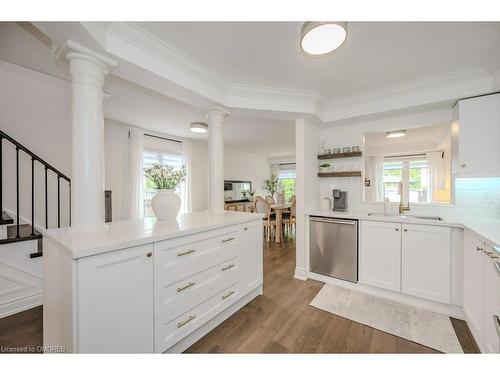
pixel 376 55
pixel 416 140
pixel 133 104
pixel 136 105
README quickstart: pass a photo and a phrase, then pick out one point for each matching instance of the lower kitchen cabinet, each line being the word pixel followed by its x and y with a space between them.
pixel 252 258
pixel 473 285
pixel 157 297
pixel 425 262
pixel 481 293
pixel 115 302
pixel 414 259
pixel 491 338
pixel 380 254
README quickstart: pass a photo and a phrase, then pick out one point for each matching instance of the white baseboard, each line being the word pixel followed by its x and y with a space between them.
pixel 439 308
pixel 300 274
pixel 20 305
pixel 214 322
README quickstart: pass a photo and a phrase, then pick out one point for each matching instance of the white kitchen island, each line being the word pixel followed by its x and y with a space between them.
pixel 148 286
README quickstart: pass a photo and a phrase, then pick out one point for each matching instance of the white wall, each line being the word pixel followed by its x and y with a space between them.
pixel 352 134
pixel 307 147
pixel 238 165
pixel 468 192
pixel 116 152
pixel 199 173
pixel 35 111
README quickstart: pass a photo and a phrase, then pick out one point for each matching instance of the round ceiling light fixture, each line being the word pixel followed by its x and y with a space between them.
pixel 198 127
pixel 395 134
pixel 321 38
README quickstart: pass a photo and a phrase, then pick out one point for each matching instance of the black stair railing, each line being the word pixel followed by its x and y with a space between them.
pixel 48 167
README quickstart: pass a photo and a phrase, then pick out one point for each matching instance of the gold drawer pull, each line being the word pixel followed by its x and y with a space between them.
pixel 185 253
pixel 228 294
pixel 228 267
pixel 185 287
pixel 228 239
pixel 180 324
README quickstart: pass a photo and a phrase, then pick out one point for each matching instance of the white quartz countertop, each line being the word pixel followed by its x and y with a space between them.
pixel 487 229
pixel 121 234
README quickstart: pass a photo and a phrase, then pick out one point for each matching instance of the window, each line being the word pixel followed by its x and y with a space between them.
pixel 415 175
pixel 161 157
pixel 286 175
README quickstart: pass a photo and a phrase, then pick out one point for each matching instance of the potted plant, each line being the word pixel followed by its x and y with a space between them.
pixel 324 168
pixel 251 195
pixel 272 185
pixel 165 203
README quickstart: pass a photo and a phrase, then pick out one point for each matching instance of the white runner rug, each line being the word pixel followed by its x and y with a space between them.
pixel 411 323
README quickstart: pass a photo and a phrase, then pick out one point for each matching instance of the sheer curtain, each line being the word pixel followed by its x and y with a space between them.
pixel 186 187
pixel 378 177
pixel 438 178
pixel 134 199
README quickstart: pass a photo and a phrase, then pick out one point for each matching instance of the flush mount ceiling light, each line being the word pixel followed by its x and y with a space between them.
pixel 320 38
pixel 198 127
pixel 396 134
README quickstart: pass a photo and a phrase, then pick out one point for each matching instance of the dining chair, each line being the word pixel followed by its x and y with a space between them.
pixel 291 219
pixel 270 199
pixel 263 207
pixel 292 199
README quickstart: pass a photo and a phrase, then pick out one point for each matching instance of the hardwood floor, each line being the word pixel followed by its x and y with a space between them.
pixel 22 332
pixel 280 321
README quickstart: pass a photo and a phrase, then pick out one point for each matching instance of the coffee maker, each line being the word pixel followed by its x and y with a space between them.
pixel 339 200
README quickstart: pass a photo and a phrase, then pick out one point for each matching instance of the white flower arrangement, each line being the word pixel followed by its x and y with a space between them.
pixel 165 177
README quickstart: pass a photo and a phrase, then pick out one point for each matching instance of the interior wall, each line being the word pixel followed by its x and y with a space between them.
pixel 352 134
pixel 35 111
pixel 238 165
pixel 307 147
pixel 116 152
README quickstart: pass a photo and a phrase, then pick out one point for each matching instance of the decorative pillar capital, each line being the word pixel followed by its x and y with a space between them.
pixel 216 115
pixel 73 51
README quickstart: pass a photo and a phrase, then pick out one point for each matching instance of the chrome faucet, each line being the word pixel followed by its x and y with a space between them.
pixel 402 207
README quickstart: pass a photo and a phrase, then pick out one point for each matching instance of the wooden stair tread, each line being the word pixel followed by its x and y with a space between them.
pixel 24 233
pixel 6 219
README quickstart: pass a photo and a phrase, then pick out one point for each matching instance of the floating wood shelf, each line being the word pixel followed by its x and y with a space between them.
pixel 340 155
pixel 340 174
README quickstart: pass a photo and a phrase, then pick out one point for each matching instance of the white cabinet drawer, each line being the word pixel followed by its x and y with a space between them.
pixel 185 293
pixel 175 325
pixel 178 259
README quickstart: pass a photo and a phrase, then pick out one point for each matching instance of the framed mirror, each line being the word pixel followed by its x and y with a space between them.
pixel 236 190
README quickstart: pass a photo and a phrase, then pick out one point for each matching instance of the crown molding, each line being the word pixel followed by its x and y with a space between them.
pixel 148 60
pixel 60 51
pixel 424 84
pixel 441 88
pixel 273 98
pixel 149 43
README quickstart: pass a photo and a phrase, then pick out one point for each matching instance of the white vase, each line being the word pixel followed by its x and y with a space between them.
pixel 166 204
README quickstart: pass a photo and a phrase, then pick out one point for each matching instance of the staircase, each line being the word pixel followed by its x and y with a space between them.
pixel 21 246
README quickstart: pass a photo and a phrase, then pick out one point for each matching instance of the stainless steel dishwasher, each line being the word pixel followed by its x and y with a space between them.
pixel 333 247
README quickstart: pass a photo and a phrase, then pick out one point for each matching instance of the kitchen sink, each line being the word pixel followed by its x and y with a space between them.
pixel 420 217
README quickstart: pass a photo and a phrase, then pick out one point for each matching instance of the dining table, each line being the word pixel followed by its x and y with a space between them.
pixel 278 209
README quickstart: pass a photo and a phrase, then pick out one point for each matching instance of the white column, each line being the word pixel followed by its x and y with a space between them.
pixel 87 128
pixel 216 159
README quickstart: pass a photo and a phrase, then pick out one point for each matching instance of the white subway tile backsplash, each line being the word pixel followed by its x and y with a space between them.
pixel 473 197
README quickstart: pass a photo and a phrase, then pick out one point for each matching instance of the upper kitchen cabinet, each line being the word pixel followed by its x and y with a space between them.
pixel 476 131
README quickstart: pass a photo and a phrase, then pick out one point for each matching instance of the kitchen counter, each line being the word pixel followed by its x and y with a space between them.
pixel 120 234
pixel 487 229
